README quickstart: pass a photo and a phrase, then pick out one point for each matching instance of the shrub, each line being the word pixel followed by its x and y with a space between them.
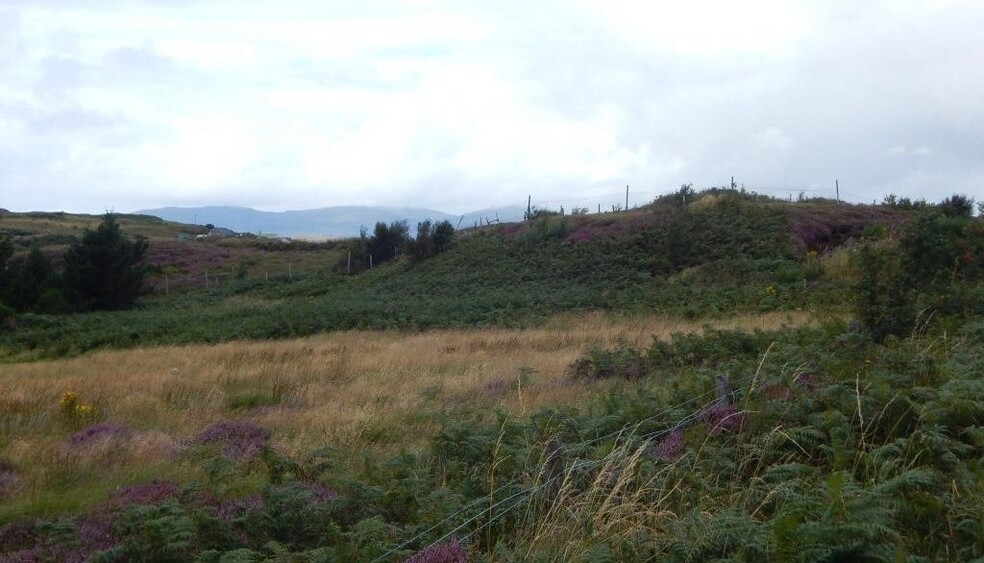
pixel 430 240
pixel 99 431
pixel 77 415
pixel 153 492
pixel 621 361
pixel 670 447
pixel 957 206
pixel 238 439
pixel 449 551
pixel 9 478
pixel 884 300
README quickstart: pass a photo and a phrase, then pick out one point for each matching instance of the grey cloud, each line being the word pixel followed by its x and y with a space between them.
pixel 72 119
pixel 870 77
pixel 58 74
pixel 139 62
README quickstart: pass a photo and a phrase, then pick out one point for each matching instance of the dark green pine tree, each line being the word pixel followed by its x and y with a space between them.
pixel 105 269
pixel 6 270
pixel 34 278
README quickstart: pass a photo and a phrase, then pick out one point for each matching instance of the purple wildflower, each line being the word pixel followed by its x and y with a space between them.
pixel 30 555
pixel 319 492
pixel 581 235
pixel 670 447
pixel 99 431
pixel 497 386
pixel 9 477
pixel 725 418
pixel 18 536
pixel 238 439
pixel 806 380
pixel 144 493
pixel 233 509
pixel 445 552
pixel 95 533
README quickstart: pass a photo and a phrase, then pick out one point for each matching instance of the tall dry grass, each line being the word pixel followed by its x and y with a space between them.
pixel 361 392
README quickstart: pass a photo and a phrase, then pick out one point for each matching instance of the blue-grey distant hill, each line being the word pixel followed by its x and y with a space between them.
pixel 330 222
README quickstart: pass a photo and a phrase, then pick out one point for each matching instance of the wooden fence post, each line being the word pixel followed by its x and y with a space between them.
pixel 722 389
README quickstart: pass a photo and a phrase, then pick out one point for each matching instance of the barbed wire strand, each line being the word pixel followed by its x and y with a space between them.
pixel 580 464
pixel 508 484
pixel 695 415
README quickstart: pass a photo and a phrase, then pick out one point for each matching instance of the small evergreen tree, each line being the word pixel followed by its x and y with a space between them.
pixel 431 239
pixel 105 270
pixel 6 272
pixel 442 236
pixel 387 241
pixel 421 247
pixel 957 206
pixel 34 278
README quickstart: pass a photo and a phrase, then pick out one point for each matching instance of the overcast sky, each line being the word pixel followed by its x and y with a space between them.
pixel 465 105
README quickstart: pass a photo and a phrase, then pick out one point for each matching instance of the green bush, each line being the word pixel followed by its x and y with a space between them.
pixel 621 361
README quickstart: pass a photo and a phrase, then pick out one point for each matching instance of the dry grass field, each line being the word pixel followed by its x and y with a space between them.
pixel 360 392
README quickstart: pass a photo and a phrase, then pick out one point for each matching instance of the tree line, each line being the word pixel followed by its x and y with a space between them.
pixel 389 241
pixel 102 270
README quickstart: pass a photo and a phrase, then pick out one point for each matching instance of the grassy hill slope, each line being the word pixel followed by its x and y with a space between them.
pixel 723 254
pixel 576 414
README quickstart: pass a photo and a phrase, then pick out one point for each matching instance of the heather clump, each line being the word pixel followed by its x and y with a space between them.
pixel 233 509
pixel 9 478
pixel 450 551
pixel 144 493
pixel 18 537
pixel 238 439
pixel 318 491
pixel 99 431
pixel 670 447
pixel 724 418
pixel 95 533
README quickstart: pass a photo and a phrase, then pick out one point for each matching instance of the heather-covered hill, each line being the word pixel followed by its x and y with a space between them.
pixel 733 378
pixel 723 253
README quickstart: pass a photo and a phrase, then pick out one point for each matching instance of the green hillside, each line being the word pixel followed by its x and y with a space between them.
pixel 723 254
pixel 548 395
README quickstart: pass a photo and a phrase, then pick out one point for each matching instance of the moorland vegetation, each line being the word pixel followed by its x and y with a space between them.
pixel 715 376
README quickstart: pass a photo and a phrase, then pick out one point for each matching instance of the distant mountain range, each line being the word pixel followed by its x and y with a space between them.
pixel 327 222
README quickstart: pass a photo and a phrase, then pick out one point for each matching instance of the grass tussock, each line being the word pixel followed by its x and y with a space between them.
pixel 361 392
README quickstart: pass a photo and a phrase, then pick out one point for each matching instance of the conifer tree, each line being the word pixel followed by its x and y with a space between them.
pixel 105 270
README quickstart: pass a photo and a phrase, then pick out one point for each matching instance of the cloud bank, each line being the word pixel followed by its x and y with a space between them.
pixel 460 106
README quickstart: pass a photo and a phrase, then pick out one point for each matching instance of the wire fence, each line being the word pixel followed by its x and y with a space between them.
pixel 611 201
pixel 517 498
pixel 630 198
pixel 501 508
